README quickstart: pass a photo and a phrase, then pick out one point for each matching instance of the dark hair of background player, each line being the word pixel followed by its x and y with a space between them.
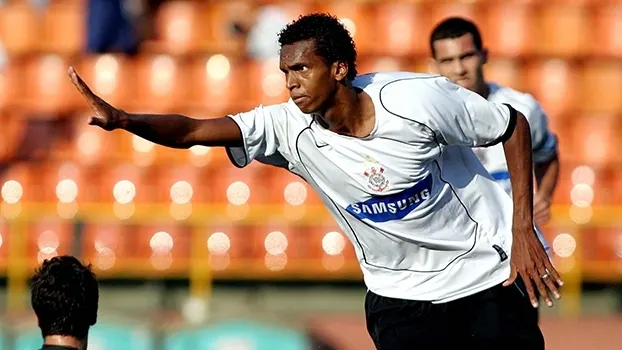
pixel 332 40
pixel 65 297
pixel 455 27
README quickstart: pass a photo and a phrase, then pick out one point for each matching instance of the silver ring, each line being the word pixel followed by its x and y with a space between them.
pixel 546 275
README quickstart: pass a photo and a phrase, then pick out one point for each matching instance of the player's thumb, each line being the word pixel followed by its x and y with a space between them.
pixel 511 279
pixel 97 121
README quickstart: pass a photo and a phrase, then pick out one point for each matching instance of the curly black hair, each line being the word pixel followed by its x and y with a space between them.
pixel 65 297
pixel 332 40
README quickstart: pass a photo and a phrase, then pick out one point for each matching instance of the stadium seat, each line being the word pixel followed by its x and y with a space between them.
pixel 126 183
pixel 380 64
pixel 180 28
pixel 63 28
pixel 66 182
pixel 19 182
pixel 398 30
pixel 13 128
pixel 48 237
pixel 439 11
pixel 506 72
pixel 162 83
pixel 181 184
pixel 10 84
pixel 227 243
pixel 47 90
pixel 554 83
pixel 562 30
pixel 20 29
pixel 105 243
pixel 164 245
pixel 219 18
pixel 266 82
pixel 276 239
pixel 219 85
pixel 593 138
pixel 112 77
pixel 606 40
pixel 356 16
pixel 5 232
pixel 601 87
pixel 238 187
pixel 507 30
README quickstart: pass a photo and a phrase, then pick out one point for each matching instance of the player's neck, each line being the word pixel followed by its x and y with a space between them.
pixel 351 113
pixel 62 340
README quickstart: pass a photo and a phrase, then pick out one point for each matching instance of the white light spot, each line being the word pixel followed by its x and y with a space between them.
pixel 582 195
pixel 48 239
pixel 583 174
pixel 161 241
pixel 199 150
pixel 141 145
pixel 275 243
pixel 66 191
pixel 238 193
pixel 218 243
pixel 333 243
pixel 275 262
pixel 124 191
pixel 89 143
pixel 218 67
pixel 564 245
pixel 181 192
pixel 12 191
pixel 350 26
pixel 105 258
pixel 295 193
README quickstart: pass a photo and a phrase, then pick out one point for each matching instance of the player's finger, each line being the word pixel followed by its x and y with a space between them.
pixel 553 273
pixel 511 279
pixel 533 298
pixel 539 277
pixel 550 284
pixel 80 84
pixel 96 121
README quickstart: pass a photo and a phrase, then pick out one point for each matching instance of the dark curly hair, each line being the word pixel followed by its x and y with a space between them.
pixel 332 40
pixel 65 297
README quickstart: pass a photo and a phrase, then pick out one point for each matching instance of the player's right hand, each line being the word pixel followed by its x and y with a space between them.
pixel 105 116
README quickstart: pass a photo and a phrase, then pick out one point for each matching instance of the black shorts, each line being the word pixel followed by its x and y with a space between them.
pixel 496 318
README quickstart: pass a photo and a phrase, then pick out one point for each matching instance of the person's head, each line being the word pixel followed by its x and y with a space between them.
pixel 318 56
pixel 65 297
pixel 458 53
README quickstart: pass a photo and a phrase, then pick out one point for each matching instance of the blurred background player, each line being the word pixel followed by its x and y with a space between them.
pixel 65 297
pixel 458 53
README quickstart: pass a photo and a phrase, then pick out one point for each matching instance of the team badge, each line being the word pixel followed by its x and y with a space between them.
pixel 376 179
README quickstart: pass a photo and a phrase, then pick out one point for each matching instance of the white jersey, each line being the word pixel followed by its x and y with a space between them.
pixel 544 143
pixel 426 219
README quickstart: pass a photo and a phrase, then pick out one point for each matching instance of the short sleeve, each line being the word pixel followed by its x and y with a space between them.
pixel 264 135
pixel 461 117
pixel 543 141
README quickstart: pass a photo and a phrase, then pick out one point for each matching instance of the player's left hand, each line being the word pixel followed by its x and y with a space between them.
pixel 541 209
pixel 531 263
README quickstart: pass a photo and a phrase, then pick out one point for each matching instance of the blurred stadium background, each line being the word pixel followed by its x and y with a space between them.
pixel 193 253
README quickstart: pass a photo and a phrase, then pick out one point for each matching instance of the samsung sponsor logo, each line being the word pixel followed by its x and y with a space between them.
pixel 394 206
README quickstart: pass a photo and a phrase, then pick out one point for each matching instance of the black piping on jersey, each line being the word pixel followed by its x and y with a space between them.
pixel 230 156
pixel 510 129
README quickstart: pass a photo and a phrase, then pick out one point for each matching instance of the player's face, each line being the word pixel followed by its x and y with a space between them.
pixel 459 60
pixel 311 81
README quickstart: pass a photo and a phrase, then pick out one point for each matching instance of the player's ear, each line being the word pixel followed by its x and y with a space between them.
pixel 484 55
pixel 432 66
pixel 340 70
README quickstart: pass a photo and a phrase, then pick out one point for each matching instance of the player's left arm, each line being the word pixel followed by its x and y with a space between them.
pixel 545 159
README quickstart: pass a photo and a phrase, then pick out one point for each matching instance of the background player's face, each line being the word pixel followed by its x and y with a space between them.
pixel 459 60
pixel 310 80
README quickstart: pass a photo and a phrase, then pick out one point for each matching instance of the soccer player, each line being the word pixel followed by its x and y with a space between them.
pixel 64 297
pixel 439 242
pixel 458 53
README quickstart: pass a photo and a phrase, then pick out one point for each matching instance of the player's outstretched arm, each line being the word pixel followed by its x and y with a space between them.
pixel 171 130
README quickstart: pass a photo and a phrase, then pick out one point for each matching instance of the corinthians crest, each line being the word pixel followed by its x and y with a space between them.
pixel 376 180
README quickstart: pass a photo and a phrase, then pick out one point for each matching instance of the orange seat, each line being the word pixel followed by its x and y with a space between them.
pixel 106 243
pixel 4 240
pixel 266 82
pixel 357 18
pixel 13 129
pixel 398 30
pixel 111 77
pixel 48 237
pixel 593 137
pixel 239 187
pixel 63 28
pixel 442 10
pixel 162 84
pixel 86 144
pixel 562 30
pixel 503 21
pixel 506 72
pixel 126 183
pixel 380 64
pixel 20 29
pixel 181 27
pixel 47 89
pixel 607 26
pixel 11 81
pixel 216 85
pixel 554 83
pixel 163 245
pixel 601 87
pixel 219 18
